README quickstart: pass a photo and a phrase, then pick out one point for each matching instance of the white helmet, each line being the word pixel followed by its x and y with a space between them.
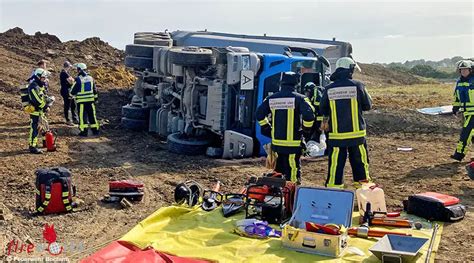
pixel 80 66
pixel 347 63
pixel 463 64
pixel 42 73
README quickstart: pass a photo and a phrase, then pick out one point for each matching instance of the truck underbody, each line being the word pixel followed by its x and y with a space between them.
pixel 200 90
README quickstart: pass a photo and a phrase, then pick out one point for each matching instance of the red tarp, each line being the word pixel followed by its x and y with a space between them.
pixel 122 252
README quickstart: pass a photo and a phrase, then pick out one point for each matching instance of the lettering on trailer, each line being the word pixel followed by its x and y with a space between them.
pixel 246 80
pixel 282 103
pixel 341 93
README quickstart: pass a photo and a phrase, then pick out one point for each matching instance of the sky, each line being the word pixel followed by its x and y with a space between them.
pixel 380 31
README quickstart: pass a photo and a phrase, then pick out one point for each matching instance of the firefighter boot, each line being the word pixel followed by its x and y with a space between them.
pixel 457 156
pixel 95 132
pixel 35 150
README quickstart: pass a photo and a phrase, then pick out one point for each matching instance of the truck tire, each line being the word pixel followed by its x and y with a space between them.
pixel 134 125
pixel 138 62
pixel 192 146
pixel 152 41
pixel 136 113
pixel 143 51
pixel 191 56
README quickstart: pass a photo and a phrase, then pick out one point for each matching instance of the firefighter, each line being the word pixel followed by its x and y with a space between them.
pixel 65 80
pixel 39 102
pixel 314 94
pixel 463 102
pixel 342 104
pixel 286 108
pixel 85 94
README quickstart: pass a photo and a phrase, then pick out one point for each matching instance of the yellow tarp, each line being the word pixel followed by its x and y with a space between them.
pixel 192 232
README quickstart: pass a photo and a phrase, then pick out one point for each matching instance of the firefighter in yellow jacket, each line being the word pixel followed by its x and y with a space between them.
pixel 287 108
pixel 38 105
pixel 464 102
pixel 84 91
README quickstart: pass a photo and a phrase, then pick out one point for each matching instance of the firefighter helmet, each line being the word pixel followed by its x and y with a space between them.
pixel 347 63
pixel 463 64
pixel 42 73
pixel 80 66
pixel 187 193
pixel 289 78
pixel 309 86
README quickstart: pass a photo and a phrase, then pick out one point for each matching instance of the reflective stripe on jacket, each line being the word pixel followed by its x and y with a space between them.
pixel 37 97
pixel 343 102
pixel 84 89
pixel 464 95
pixel 290 112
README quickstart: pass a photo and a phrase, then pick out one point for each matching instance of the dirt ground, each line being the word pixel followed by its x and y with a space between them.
pixel 121 154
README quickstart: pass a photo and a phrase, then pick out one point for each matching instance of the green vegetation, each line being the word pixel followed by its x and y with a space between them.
pixel 443 69
pixel 430 72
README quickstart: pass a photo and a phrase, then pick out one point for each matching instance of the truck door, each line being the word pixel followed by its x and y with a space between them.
pixel 269 82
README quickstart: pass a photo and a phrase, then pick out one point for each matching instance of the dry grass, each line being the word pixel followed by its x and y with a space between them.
pixel 413 96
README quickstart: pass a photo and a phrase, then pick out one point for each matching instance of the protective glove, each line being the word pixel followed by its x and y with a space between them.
pixel 304 148
pixel 455 110
pixel 324 126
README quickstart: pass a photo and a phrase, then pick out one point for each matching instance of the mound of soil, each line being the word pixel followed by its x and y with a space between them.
pixel 19 53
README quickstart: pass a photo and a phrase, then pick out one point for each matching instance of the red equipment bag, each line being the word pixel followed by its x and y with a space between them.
pixel 54 190
pixel 132 190
pixel 435 206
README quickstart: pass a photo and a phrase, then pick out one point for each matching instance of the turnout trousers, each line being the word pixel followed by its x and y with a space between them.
pixel 87 117
pixel 358 158
pixel 465 138
pixel 289 165
pixel 34 130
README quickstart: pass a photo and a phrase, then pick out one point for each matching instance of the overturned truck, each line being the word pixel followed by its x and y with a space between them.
pixel 200 90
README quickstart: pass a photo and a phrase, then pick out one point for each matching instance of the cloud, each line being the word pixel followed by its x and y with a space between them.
pixel 393 36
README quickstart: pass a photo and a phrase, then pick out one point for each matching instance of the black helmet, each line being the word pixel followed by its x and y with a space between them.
pixel 188 193
pixel 289 78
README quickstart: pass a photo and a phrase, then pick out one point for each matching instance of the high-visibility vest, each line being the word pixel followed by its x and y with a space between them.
pixel 86 93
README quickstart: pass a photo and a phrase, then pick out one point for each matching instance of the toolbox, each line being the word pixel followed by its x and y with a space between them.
pixel 321 206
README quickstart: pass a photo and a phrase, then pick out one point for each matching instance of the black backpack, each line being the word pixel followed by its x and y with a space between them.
pixel 435 207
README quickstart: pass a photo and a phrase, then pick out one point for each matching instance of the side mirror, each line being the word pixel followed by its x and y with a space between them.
pixel 324 61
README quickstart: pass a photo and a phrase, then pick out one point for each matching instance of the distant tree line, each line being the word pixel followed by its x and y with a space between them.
pixel 443 69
